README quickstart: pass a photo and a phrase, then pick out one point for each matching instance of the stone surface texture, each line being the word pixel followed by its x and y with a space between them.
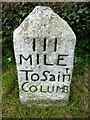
pixel 42 87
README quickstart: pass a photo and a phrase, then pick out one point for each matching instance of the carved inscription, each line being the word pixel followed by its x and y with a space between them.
pixel 31 75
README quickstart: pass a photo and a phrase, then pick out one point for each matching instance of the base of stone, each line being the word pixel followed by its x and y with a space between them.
pixel 57 103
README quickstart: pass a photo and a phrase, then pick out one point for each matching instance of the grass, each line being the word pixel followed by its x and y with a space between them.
pixel 12 108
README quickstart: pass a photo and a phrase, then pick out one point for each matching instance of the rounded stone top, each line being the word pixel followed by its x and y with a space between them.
pixel 42 8
pixel 44 22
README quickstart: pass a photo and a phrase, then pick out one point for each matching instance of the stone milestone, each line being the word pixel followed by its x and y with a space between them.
pixel 44 50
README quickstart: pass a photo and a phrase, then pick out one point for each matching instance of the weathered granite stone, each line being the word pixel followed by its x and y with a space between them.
pixel 44 50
